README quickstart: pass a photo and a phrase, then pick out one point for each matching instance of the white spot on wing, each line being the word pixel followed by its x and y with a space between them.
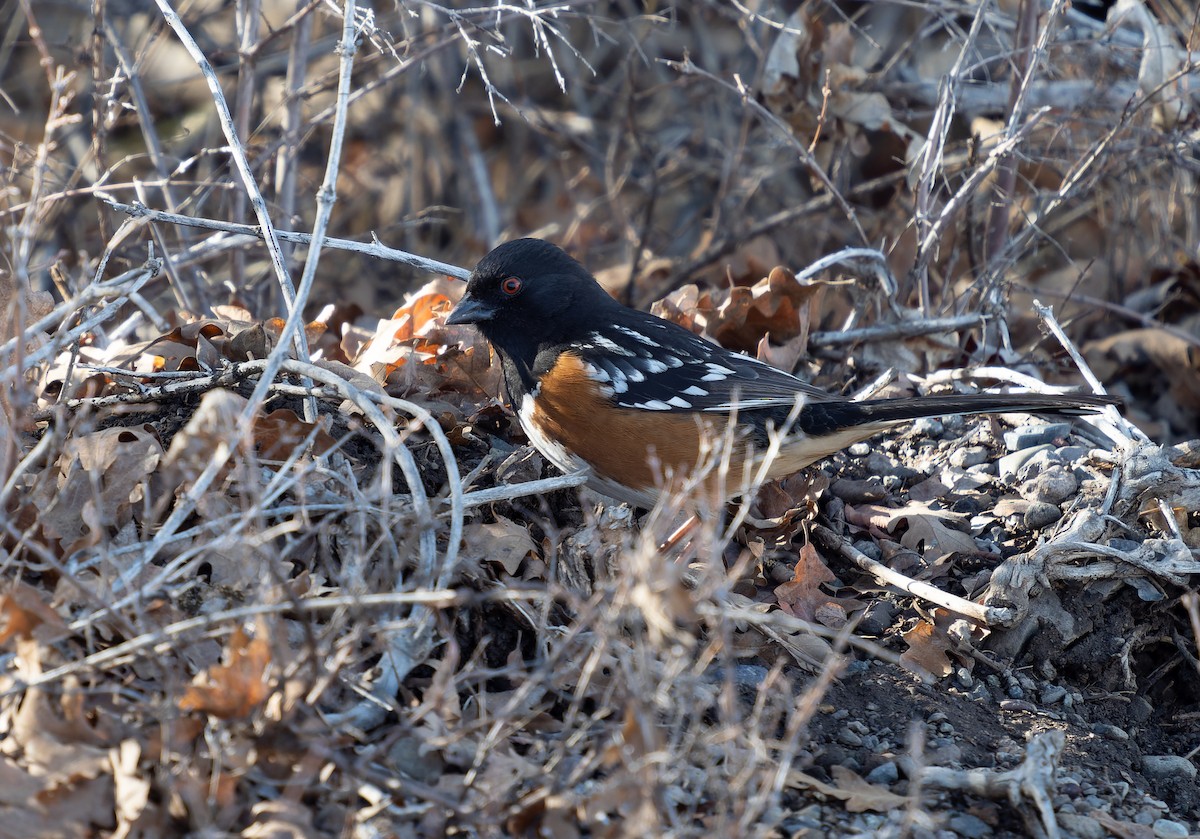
pixel 653 405
pixel 596 374
pixel 599 341
pixel 653 365
pixel 679 402
pixel 638 336
pixel 692 390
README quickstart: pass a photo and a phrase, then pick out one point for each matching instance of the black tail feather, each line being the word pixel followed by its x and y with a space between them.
pixel 820 418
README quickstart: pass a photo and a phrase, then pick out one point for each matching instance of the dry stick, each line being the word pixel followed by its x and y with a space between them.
pixel 287 162
pixel 1034 779
pixel 1116 308
pixel 933 154
pixel 246 23
pixel 290 334
pixel 375 249
pixel 120 288
pixel 980 614
pixel 1029 58
pixel 929 243
pixel 854 258
pixel 1065 95
pixel 393 446
pixel 688 68
pixel 404 649
pixel 327 194
pixel 238 152
pixel 159 641
pixel 1131 433
pixel 190 297
pixel 117 290
pixel 892 331
pixel 1005 184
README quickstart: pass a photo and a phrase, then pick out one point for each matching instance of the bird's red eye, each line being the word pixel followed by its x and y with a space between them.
pixel 511 285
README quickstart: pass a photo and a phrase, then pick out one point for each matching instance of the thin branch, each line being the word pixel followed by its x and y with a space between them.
pixel 374 250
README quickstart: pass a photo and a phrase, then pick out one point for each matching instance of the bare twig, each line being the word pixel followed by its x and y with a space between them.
pixel 1131 433
pixel 375 249
pixel 980 614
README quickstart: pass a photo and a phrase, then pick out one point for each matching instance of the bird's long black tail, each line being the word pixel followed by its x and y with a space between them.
pixel 822 418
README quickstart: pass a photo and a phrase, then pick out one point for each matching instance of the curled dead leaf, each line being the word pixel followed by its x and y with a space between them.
pixel 232 690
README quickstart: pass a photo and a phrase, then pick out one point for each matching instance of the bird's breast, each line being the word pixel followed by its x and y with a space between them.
pixel 631 453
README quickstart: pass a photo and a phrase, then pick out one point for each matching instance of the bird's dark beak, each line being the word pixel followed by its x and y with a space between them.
pixel 470 310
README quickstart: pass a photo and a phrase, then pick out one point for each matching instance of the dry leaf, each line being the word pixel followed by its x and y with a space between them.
pixel 803 598
pixel 281 432
pixel 98 479
pixel 502 541
pixel 26 614
pixel 927 530
pixel 928 650
pixel 234 689
pixel 859 795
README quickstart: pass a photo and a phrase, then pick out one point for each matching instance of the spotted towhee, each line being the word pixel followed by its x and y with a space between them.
pixel 639 401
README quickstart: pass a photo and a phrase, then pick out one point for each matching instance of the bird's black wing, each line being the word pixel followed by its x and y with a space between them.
pixel 645 362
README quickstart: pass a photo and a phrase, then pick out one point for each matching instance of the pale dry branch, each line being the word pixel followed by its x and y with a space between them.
pixel 374 250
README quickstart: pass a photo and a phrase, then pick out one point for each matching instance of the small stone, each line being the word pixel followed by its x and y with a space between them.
pixel 870 549
pixel 1083 827
pixel 936 717
pixel 877 618
pixel 928 427
pixel 1070 787
pixel 964 678
pixel 1015 691
pixel 1039 514
pixel 968 456
pixel 857 667
pixel 1017 705
pixel 1168 767
pixel 859 450
pixel 880 464
pixel 1167 829
pixel 1052 486
pixel 1053 694
pixel 1112 732
pixel 1010 463
pixel 849 738
pixel 980 693
pixel 885 774
pixel 1028 436
pixel 1072 454
pixel 1039 463
pixel 972 827
pixel 1139 710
